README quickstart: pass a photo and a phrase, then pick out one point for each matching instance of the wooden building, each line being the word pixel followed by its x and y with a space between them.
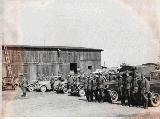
pixel 47 60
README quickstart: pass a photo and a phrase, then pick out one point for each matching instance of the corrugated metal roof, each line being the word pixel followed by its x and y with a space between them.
pixel 52 47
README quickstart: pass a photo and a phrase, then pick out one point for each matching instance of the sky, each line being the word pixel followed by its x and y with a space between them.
pixel 126 31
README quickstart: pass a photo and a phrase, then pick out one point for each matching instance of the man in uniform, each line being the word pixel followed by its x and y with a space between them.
pixel 101 86
pixel 128 88
pixel 134 90
pixel 90 88
pixel 24 84
pixel 52 81
pixel 95 91
pixel 144 88
pixel 110 77
pixel 120 85
pixel 86 82
pixel 69 81
pixel 99 93
pixel 123 89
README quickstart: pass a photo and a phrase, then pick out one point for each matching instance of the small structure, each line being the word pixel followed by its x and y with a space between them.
pixel 47 60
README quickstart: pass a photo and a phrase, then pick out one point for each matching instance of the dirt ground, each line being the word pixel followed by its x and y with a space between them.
pixel 48 104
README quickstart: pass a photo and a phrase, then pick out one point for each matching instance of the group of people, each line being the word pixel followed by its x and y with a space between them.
pixel 94 86
pixel 134 88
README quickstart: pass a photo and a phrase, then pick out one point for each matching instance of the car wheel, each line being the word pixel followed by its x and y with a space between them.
pixel 113 96
pixel 43 89
pixel 155 100
pixel 31 88
pixel 81 93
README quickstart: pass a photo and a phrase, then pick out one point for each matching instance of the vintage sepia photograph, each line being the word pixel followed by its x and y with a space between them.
pixel 80 58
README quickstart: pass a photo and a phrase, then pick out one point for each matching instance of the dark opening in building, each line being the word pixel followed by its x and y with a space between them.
pixel 73 67
pixel 90 67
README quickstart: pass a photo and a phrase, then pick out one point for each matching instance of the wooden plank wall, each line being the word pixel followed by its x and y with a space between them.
pixel 46 61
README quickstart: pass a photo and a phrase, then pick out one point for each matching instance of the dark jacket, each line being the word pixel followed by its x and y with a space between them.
pixel 144 85
pixel 128 82
pixel 86 80
pixel 94 84
pixel 120 82
pixel 90 83
pixel 24 82
pixel 101 82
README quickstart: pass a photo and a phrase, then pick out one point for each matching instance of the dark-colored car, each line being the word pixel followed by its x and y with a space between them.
pixel 110 92
pixel 153 96
pixel 10 83
pixel 60 86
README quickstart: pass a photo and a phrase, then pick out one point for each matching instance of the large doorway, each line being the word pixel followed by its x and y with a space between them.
pixel 73 67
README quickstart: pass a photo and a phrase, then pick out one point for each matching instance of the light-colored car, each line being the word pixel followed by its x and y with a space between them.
pixel 32 85
pixel 43 86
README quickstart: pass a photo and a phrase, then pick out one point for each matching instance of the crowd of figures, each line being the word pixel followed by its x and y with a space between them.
pixel 133 89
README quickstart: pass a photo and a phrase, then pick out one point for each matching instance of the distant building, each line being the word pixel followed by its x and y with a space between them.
pixel 47 60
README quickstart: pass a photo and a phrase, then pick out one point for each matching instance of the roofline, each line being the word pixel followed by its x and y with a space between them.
pixel 52 47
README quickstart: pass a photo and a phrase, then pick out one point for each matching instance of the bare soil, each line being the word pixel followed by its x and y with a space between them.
pixel 50 104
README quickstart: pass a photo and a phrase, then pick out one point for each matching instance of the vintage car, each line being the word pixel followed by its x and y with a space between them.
pixel 60 86
pixel 10 83
pixel 32 85
pixel 112 95
pixel 43 86
pixel 112 92
pixel 42 83
pixel 76 88
pixel 154 94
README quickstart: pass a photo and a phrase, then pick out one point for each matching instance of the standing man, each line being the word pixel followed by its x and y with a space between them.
pixel 110 77
pixel 144 88
pixel 52 81
pixel 98 89
pixel 24 84
pixel 69 81
pixel 123 97
pixel 120 85
pixel 90 88
pixel 95 92
pixel 101 84
pixel 86 82
pixel 128 88
pixel 134 90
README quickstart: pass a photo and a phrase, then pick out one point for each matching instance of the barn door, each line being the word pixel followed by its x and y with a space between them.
pixel 73 67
